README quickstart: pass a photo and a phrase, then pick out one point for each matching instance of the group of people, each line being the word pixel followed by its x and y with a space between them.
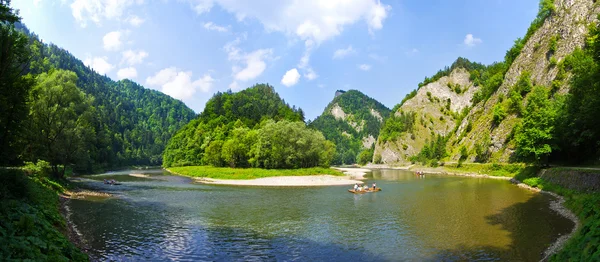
pixel 364 188
pixel 110 182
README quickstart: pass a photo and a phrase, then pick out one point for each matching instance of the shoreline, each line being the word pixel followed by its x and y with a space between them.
pixel 556 205
pixel 283 181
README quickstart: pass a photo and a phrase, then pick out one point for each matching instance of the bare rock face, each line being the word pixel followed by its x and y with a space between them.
pixel 436 105
pixel 338 112
pixel 376 115
pixel 569 26
pixel 367 142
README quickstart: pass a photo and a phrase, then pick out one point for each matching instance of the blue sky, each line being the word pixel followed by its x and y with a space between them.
pixel 306 49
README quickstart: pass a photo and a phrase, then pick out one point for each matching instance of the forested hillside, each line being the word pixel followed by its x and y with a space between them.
pixel 253 127
pixel 537 105
pixel 352 121
pixel 127 124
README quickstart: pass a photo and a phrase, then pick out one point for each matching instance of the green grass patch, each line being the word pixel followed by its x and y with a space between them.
pixel 492 169
pixel 250 173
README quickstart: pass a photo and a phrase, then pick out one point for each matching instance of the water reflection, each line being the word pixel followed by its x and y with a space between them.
pixel 414 218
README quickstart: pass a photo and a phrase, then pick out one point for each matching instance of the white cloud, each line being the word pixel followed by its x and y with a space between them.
pixel 135 20
pixel 178 84
pixel 213 27
pixel 96 10
pixel 291 77
pixel 343 52
pixel 247 66
pixel 99 64
pixel 128 72
pixel 36 3
pixel 310 74
pixel 364 67
pixel 112 41
pixel 471 41
pixel 134 57
pixel 311 21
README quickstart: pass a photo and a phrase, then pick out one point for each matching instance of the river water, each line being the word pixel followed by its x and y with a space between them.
pixel 431 218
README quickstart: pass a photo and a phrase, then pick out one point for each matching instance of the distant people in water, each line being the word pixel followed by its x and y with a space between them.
pixel 110 182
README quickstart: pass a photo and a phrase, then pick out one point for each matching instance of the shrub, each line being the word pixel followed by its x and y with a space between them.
pixel 498 114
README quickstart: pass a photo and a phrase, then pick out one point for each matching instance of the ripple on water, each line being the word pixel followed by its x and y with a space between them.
pixel 432 218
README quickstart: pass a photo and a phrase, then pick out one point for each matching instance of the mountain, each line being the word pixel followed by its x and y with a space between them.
pixel 133 123
pixel 533 106
pixel 230 126
pixel 352 121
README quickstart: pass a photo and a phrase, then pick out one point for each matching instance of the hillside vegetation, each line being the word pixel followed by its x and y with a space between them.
pixel 250 128
pixel 535 106
pixel 353 122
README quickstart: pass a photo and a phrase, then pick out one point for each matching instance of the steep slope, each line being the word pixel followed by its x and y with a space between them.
pixel 227 115
pixel 432 111
pixel 540 62
pixel 501 92
pixel 134 123
pixel 352 121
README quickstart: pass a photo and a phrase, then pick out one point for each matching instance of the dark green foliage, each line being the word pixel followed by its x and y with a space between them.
pixel 229 128
pixel 365 156
pixel 535 134
pixel 14 85
pixel 347 139
pixel 464 154
pixel 432 151
pixel 577 124
pixel 396 125
pixel 30 222
pixel 132 123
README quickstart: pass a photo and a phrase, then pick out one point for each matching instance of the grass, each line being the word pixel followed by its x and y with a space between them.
pixel 492 169
pixel 249 173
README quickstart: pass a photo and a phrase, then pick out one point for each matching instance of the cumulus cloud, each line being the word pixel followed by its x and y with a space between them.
pixel 99 64
pixel 213 27
pixel 247 66
pixel 471 41
pixel 311 21
pixel 96 10
pixel 291 77
pixel 128 72
pixel 343 52
pixel 178 84
pixel 134 57
pixel 364 67
pixel 112 41
pixel 310 74
pixel 135 20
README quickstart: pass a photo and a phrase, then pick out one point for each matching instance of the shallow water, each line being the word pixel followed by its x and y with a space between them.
pixel 414 218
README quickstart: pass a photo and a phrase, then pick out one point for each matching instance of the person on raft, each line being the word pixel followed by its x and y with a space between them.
pixel 356 187
pixel 374 186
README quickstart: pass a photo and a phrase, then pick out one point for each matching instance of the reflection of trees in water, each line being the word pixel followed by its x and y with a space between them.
pixel 531 227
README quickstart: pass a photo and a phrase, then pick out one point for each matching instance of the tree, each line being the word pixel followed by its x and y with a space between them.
pixel 14 84
pixel 535 133
pixel 60 121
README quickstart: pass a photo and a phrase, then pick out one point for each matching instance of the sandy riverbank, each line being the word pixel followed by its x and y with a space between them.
pixel 322 180
pixel 354 173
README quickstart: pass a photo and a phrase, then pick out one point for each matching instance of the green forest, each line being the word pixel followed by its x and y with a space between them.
pixel 250 128
pixel 56 109
pixel 348 139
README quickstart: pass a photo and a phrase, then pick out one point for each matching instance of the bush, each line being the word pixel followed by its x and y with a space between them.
pixel 498 114
pixel 41 168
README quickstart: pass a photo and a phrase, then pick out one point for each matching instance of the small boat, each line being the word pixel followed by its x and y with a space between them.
pixel 370 190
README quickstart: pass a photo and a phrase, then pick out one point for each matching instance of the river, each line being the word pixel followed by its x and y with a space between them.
pixel 431 218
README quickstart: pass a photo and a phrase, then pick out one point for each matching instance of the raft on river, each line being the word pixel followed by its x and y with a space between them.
pixel 370 190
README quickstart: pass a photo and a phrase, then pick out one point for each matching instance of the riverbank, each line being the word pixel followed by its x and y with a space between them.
pixel 577 195
pixel 270 177
pixel 281 181
pixel 30 219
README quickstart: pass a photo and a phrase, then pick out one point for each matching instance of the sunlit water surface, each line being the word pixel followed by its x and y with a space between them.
pixel 164 217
